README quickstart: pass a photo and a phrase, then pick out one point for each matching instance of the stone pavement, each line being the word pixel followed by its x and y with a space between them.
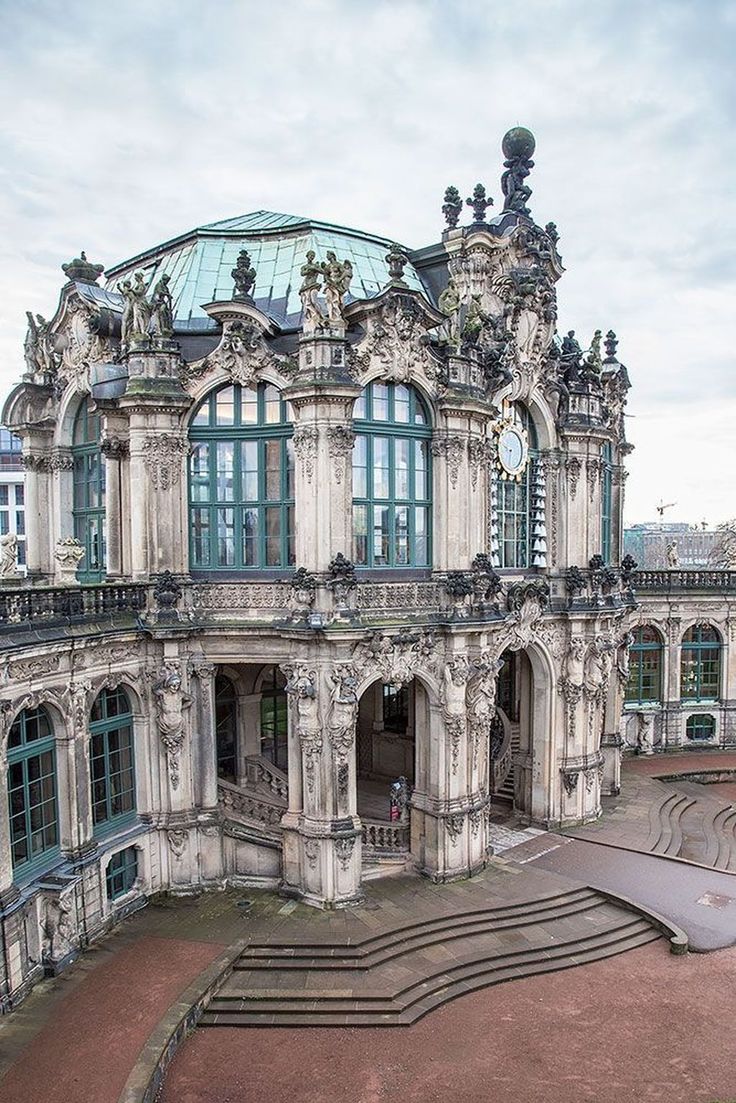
pixel 643 1027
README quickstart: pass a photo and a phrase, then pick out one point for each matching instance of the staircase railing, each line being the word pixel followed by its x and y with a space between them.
pixel 259 771
pixel 501 757
pixel 239 804
pixel 383 837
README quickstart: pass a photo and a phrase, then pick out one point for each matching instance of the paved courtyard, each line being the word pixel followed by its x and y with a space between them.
pixel 598 1007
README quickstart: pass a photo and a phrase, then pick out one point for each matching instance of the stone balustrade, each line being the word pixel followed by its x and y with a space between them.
pixel 385 838
pixel 239 804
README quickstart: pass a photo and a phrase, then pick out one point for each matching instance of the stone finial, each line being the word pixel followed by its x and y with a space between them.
pixel 397 260
pixel 452 206
pixel 244 276
pixel 552 233
pixel 610 345
pixel 81 270
pixel 518 146
pixel 479 203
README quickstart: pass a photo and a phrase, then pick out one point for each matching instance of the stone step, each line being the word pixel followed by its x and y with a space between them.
pixel 280 1007
pixel 401 939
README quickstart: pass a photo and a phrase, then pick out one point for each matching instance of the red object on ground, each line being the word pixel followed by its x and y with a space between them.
pixel 638 1028
pixel 86 1051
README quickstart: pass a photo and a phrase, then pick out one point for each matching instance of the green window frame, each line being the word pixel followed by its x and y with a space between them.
pixel 122 872
pixel 241 481
pixel 644 686
pixel 392 478
pixel 514 503
pixel 700 726
pixel 88 490
pixel 112 761
pixel 274 718
pixel 606 501
pixel 700 664
pixel 32 792
pixel 226 729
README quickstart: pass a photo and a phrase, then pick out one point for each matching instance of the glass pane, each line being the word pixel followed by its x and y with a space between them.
pixel 421 536
pixel 199 472
pixel 380 467
pixel 401 403
pixel 271 404
pixel 291 536
pixel 202 417
pixel 273 536
pixel 401 468
pixel 401 535
pixel 200 522
pixel 225 537
pixel 360 535
pixel 290 469
pixel 225 406
pixel 380 402
pixel 249 462
pixel 250 537
pixel 359 409
pixel 421 491
pixel 249 406
pixel 381 535
pixel 273 470
pixel 360 473
pixel 225 481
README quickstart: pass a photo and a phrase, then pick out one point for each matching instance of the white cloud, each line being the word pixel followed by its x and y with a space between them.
pixel 127 125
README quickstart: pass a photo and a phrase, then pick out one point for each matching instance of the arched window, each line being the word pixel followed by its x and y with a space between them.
pixel 89 493
pixel 112 764
pixel 392 495
pixel 606 502
pixel 241 480
pixel 513 515
pixel 700 727
pixel 34 826
pixel 274 717
pixel 700 664
pixel 226 728
pixel 645 667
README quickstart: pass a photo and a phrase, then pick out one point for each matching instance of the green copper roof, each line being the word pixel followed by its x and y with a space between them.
pixel 200 264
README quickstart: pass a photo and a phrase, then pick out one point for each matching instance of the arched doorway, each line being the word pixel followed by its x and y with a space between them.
pixel 387 752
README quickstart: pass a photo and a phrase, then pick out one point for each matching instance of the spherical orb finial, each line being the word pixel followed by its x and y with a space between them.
pixel 518 142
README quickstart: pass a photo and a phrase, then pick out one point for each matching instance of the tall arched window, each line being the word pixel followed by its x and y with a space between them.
pixel 241 480
pixel 700 664
pixel 226 729
pixel 274 712
pixel 645 667
pixel 606 502
pixel 34 826
pixel 89 493
pixel 392 495
pixel 512 516
pixel 112 764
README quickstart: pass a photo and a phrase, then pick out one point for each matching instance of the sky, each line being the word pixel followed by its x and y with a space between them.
pixel 123 125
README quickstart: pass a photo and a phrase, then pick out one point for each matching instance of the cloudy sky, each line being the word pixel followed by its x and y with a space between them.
pixel 125 124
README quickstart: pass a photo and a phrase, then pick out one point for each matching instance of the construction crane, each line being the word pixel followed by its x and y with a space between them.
pixel 663 506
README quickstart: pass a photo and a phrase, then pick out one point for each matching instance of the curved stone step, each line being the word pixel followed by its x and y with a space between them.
pixel 374 1008
pixel 285 954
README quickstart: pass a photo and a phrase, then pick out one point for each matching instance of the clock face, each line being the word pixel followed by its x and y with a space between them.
pixel 511 451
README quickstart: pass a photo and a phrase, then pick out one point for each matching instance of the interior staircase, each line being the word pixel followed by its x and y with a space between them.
pixel 398 975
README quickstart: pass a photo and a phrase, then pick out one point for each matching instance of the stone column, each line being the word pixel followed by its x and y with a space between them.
pixel 114 449
pixel 204 748
pixel 322 833
pixel 39 532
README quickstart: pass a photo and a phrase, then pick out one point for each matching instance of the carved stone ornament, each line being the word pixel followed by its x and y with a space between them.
pixel 305 448
pixel 527 602
pixel 114 448
pixel 303 586
pixel 69 553
pixel 164 453
pixel 570 780
pixel 242 353
pixel 177 840
pixel 481 453
pixel 573 466
pixel 344 849
pixel 171 702
pixel 397 339
pixel 342 581
pixel 301 686
pixel 343 709
pixel 452 448
pixel 340 440
pixel 77 699
pixel 396 658
pixel 81 270
pixel 454 824
pixel 454 712
pixel 9 557
pixel 167 591
pixel 452 206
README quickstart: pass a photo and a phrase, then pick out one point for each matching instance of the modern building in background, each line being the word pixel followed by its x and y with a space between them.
pixel 12 492
pixel 661 544
pixel 324 545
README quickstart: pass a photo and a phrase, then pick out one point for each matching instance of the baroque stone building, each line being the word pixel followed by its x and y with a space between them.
pixel 308 514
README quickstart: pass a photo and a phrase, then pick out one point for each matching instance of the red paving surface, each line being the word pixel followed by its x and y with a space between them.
pixel 686 763
pixel 642 1027
pixel 84 1055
